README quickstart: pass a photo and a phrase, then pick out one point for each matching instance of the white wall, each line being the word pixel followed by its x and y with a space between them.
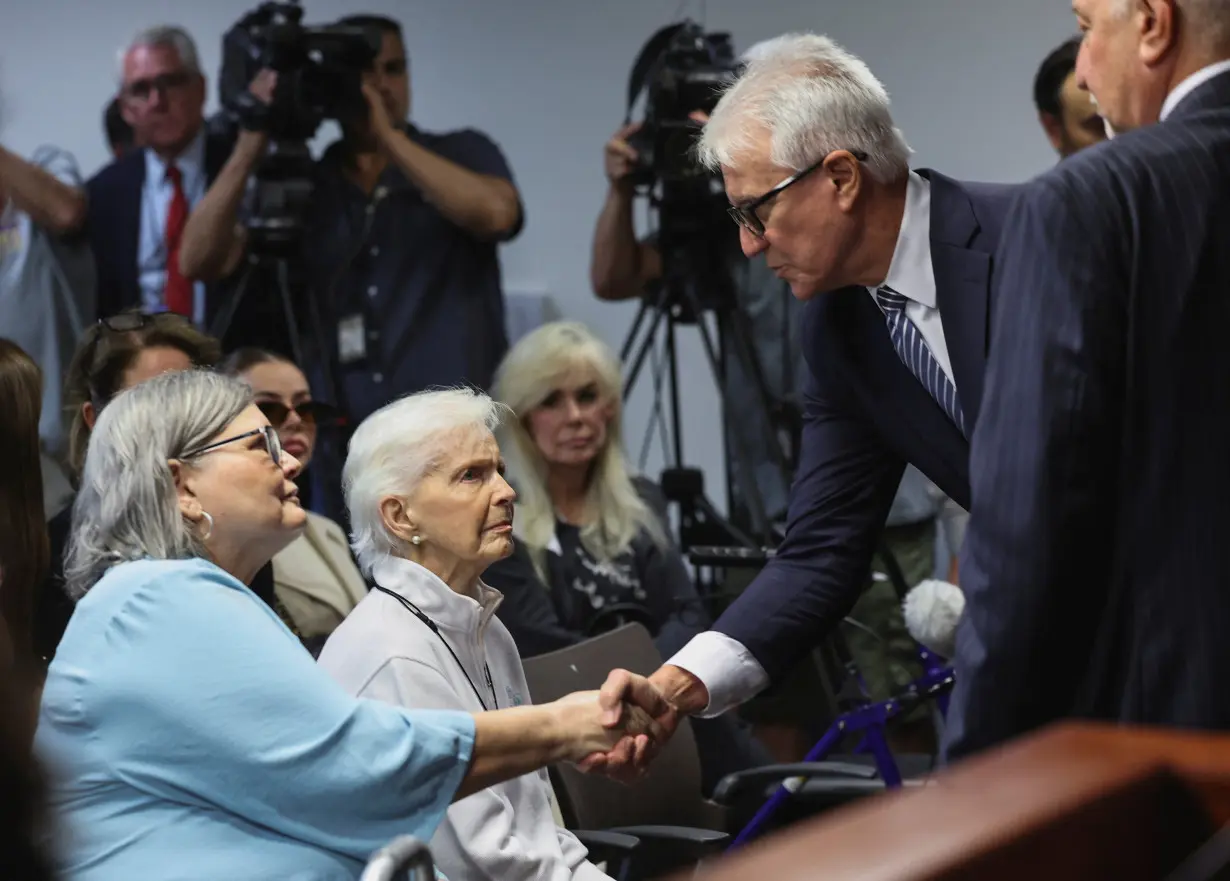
pixel 546 79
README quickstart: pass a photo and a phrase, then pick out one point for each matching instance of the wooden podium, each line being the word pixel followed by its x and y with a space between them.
pixel 1075 801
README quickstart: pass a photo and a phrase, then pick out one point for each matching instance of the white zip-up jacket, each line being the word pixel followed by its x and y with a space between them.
pixel 383 651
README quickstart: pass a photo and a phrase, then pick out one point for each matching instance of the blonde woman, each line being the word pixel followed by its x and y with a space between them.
pixel 595 535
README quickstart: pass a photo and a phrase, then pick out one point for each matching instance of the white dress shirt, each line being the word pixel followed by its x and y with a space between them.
pixel 1189 85
pixel 156 197
pixel 728 670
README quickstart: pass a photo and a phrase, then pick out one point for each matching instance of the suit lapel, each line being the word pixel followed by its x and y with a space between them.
pixel 962 288
pixel 907 416
pixel 128 231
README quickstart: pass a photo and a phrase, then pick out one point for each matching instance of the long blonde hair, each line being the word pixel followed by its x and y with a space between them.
pixel 615 511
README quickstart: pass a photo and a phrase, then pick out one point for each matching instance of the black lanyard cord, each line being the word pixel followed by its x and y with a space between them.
pixel 431 625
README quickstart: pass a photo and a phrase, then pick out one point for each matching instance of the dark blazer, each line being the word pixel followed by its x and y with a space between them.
pixel 114 223
pixel 865 417
pixel 1095 568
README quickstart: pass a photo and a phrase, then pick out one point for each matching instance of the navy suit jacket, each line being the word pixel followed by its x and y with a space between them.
pixel 114 224
pixel 1095 568
pixel 865 417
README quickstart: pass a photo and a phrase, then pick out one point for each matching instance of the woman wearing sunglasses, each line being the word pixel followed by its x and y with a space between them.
pixel 315 577
pixel 187 731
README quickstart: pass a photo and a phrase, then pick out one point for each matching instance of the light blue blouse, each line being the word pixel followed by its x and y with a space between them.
pixel 190 736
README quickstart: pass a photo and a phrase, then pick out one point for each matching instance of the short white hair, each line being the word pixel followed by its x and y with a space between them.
pixel 127 507
pixel 394 448
pixel 813 97
pixel 164 35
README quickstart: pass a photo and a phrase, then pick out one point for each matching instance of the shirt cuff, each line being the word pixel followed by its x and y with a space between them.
pixel 725 667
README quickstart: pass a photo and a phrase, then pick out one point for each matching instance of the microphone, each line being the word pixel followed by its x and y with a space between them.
pixel 932 610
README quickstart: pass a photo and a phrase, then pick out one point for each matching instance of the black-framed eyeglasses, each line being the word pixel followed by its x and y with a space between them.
pixel 140 90
pixel 270 435
pixel 311 412
pixel 745 215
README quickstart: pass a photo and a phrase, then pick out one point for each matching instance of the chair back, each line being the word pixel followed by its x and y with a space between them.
pixel 670 793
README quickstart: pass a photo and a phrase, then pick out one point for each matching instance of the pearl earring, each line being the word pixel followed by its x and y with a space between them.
pixel 417 540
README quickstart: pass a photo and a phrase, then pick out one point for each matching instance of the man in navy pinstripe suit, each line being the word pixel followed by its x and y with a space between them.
pixel 895 265
pixel 1095 566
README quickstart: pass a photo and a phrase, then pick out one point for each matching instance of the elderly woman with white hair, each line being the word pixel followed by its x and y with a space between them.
pixel 430 510
pixel 597 535
pixel 189 732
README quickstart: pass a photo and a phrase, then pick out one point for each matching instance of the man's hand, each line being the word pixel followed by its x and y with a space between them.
pixel 619 157
pixel 263 85
pixel 669 692
pixel 377 114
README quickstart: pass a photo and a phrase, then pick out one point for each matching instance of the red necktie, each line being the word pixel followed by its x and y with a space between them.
pixel 178 291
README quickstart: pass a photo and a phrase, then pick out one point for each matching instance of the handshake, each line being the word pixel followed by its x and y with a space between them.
pixel 618 730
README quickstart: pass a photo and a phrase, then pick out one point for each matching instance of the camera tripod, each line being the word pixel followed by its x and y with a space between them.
pixel 258 262
pixel 676 302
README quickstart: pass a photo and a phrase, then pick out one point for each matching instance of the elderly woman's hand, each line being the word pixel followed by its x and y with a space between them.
pixel 588 729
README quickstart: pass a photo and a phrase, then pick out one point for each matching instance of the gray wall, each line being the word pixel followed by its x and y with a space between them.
pixel 546 79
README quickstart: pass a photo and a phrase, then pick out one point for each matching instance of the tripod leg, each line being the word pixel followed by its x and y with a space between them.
pixel 288 310
pixel 672 363
pixel 748 359
pixel 223 320
pixel 743 456
pixel 635 329
pixel 645 345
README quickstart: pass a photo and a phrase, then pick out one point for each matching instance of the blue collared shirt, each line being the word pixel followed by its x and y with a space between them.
pixel 189 735
pixel 428 291
pixel 155 203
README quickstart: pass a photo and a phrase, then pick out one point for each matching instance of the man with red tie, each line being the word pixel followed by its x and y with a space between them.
pixel 138 204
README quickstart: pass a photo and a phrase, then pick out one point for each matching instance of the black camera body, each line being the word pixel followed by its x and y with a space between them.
pixel 319 76
pixel 687 76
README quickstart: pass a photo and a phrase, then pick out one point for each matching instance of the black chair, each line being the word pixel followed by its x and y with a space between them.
pixel 664 810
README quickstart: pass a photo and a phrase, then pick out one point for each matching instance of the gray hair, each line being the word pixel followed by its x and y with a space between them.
pixel 164 35
pixel 1208 21
pixel 128 507
pixel 394 448
pixel 813 97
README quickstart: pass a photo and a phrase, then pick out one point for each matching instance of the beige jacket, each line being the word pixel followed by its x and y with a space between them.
pixel 317 579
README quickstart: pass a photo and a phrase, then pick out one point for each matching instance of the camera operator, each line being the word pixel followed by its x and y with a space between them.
pixel 400 241
pixel 621 267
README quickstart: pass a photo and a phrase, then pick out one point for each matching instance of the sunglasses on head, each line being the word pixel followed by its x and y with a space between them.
pixel 311 412
pixel 106 329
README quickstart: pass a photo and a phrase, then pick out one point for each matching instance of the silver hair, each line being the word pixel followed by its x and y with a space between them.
pixel 394 448
pixel 1208 21
pixel 812 97
pixel 164 35
pixel 127 507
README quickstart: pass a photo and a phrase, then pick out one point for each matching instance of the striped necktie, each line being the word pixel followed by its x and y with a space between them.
pixel 914 354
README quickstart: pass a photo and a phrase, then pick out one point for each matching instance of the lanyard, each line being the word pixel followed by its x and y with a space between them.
pixel 431 625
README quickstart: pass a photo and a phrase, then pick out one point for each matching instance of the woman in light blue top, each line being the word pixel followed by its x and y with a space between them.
pixel 189 734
